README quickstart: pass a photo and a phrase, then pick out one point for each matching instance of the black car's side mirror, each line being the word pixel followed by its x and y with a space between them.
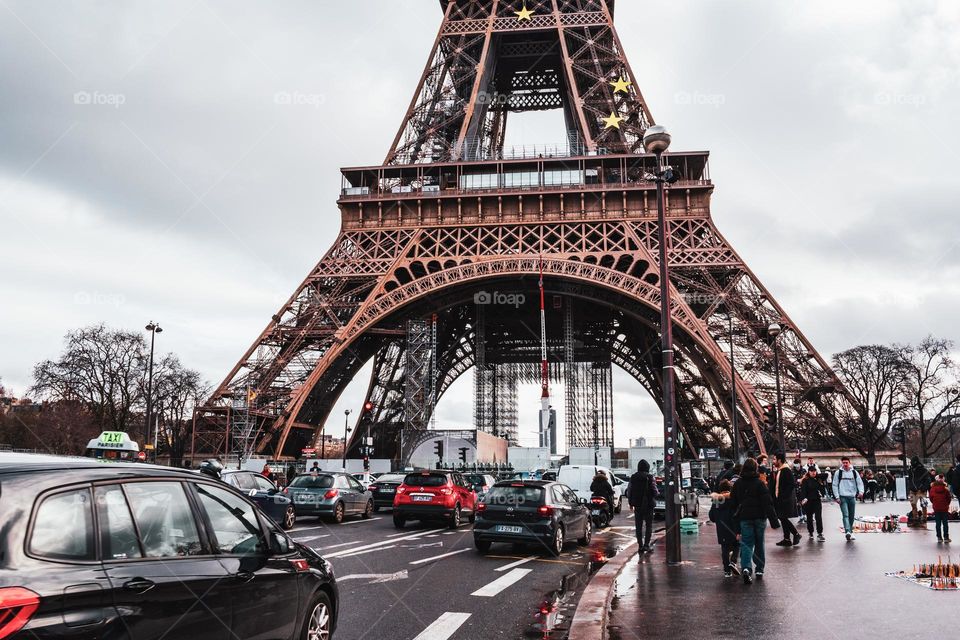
pixel 279 544
pixel 584 501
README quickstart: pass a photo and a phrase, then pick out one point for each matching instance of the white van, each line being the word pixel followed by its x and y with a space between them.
pixel 579 476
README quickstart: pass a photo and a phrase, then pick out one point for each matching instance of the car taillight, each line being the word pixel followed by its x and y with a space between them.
pixel 446 491
pixel 545 510
pixel 300 565
pixel 597 500
pixel 401 489
pixel 16 606
pixel 481 507
pixel 372 487
pixel 332 493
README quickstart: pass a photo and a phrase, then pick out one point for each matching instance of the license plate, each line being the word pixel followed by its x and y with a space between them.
pixel 422 498
pixel 661 505
pixel 595 512
pixel 502 528
pixel 303 497
pixel 388 490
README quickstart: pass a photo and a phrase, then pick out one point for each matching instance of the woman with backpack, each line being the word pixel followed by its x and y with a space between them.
pixel 752 509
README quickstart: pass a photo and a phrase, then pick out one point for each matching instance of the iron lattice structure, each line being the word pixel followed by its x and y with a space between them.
pixel 455 229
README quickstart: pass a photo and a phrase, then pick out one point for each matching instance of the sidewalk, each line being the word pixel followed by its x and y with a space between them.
pixel 832 589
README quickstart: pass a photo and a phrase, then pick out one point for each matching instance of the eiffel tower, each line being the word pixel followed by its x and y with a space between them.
pixel 435 271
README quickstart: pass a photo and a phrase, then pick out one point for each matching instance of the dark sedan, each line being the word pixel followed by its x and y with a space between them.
pixel 330 495
pixel 384 490
pixel 547 514
pixel 121 551
pixel 262 491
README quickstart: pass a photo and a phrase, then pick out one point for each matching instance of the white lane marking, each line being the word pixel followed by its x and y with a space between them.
pixel 439 557
pixel 444 626
pixel 402 533
pixel 501 583
pixel 319 526
pixel 360 553
pixel 516 564
pixel 434 535
pixel 312 538
pixel 359 521
pixel 450 533
pixel 334 546
pixel 376 544
pixel 376 578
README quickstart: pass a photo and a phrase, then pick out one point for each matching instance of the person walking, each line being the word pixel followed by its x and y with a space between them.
pixel 752 509
pixel 726 474
pixel 940 498
pixel 918 484
pixel 847 487
pixel 891 485
pixel 828 482
pixel 642 496
pixel 798 473
pixel 881 485
pixel 762 469
pixel 953 480
pixel 785 500
pixel 811 500
pixel 721 514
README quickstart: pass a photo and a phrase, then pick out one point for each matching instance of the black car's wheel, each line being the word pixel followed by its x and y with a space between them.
pixel 399 521
pixel 376 509
pixel 289 518
pixel 338 513
pixel 556 547
pixel 369 510
pixel 472 517
pixel 482 547
pixel 319 620
pixel 587 534
pixel 455 518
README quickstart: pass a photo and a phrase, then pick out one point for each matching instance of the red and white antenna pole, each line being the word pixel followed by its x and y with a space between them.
pixel 544 370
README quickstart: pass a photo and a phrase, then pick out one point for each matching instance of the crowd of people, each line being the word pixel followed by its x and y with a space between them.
pixel 749 497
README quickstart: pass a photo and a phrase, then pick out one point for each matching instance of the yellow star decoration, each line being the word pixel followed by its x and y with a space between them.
pixel 524 14
pixel 613 121
pixel 621 86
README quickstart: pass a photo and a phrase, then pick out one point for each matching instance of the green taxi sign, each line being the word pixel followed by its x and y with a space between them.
pixel 112 437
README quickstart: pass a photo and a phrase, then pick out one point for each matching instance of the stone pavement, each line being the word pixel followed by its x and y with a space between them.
pixel 832 589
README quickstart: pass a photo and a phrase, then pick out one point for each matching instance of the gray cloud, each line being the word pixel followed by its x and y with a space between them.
pixel 179 161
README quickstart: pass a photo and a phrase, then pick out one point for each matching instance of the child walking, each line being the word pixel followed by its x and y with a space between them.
pixel 940 498
pixel 721 514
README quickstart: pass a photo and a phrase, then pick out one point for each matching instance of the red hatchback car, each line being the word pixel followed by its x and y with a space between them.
pixel 434 495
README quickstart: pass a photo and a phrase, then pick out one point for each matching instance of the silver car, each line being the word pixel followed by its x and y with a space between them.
pixel 330 495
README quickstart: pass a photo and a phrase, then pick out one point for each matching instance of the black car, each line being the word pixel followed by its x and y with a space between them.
pixel 262 491
pixel 141 552
pixel 547 514
pixel 384 490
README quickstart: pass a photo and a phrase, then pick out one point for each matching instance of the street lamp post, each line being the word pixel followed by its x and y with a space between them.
pixel 154 329
pixel 656 140
pixel 596 438
pixel 346 430
pixel 774 331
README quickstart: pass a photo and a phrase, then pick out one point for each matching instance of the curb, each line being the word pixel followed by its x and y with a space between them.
pixel 592 609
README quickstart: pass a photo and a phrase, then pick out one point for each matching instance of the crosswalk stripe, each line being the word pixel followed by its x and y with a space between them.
pixel 443 627
pixel 501 583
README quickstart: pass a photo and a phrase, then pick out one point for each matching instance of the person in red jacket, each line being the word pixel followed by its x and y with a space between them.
pixel 940 498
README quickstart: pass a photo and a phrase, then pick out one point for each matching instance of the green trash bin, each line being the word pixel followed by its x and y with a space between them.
pixel 689 526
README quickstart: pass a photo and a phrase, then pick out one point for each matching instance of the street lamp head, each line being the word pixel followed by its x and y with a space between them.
pixel 774 330
pixel 159 330
pixel 347 412
pixel 656 139
pixel 150 326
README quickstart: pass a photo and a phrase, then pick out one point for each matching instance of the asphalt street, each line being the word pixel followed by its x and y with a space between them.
pixel 426 582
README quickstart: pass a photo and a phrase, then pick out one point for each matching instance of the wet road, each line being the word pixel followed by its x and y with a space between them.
pixel 430 583
pixel 831 589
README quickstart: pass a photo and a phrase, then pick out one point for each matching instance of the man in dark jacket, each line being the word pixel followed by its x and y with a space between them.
pixel 918 484
pixel 953 478
pixel 752 508
pixel 785 500
pixel 811 499
pixel 601 487
pixel 726 474
pixel 643 498
pixel 721 514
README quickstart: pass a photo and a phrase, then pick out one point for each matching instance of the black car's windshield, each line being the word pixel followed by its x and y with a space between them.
pixel 313 482
pixel 514 495
pixel 425 480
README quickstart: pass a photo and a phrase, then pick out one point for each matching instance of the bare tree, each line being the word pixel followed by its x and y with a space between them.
pixel 101 368
pixel 874 377
pixel 932 392
pixel 177 391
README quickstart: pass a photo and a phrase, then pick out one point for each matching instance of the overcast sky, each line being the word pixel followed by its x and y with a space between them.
pixel 148 169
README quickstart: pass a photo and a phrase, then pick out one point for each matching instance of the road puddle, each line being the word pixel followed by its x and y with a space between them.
pixel 551 619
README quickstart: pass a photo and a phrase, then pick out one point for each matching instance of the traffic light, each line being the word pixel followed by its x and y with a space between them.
pixel 438 449
pixel 368 406
pixel 463 455
pixel 366 463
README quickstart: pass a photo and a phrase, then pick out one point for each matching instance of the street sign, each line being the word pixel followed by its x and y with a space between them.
pixel 709 453
pixel 685 470
pixel 141 456
pixel 309 451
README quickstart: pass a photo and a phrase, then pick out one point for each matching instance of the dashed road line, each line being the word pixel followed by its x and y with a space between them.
pixel 439 557
pixel 381 543
pixel 360 553
pixel 501 583
pixel 443 627
pixel 516 564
